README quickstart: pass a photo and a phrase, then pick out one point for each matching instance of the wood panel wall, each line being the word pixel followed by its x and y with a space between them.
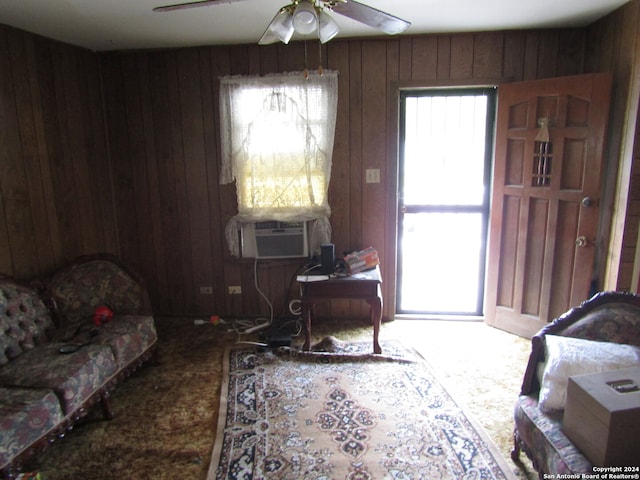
pixel 150 193
pixel 162 119
pixel 613 44
pixel 55 181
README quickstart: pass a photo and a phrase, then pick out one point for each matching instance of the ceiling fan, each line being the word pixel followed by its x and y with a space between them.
pixel 307 16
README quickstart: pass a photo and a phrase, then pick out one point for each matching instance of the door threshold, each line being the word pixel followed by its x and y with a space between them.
pixel 440 317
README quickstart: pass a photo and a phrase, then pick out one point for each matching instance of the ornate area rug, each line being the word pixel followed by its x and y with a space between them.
pixel 340 412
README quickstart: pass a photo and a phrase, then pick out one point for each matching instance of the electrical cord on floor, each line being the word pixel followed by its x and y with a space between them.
pixel 251 326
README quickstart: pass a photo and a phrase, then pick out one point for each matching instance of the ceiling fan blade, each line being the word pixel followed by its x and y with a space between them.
pixel 370 16
pixel 200 3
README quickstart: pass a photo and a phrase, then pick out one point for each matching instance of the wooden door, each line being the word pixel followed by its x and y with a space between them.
pixel 545 199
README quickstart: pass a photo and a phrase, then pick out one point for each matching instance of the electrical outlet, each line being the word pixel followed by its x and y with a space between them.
pixel 234 290
pixel 206 290
pixel 372 175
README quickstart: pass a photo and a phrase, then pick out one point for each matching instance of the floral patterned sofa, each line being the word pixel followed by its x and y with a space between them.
pixel 57 360
pixel 603 333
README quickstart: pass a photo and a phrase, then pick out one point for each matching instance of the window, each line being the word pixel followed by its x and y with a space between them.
pixel 277 143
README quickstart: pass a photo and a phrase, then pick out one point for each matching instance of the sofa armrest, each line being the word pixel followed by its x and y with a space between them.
pixel 605 317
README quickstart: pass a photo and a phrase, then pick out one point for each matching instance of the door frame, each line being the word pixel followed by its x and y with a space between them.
pixel 484 209
pixel 393 154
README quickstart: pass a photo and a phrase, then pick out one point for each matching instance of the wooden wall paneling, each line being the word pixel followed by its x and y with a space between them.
pixel 548 54
pixel 235 270
pixel 254 59
pixel 85 154
pixel 250 299
pixel 239 60
pixel 161 110
pixel 34 254
pixel 118 147
pixel 531 53
pixel 613 46
pixel 268 58
pixel 73 121
pixel 297 55
pixel 462 56
pixel 224 198
pixel 374 146
pixel 602 43
pixel 57 199
pixel 404 57
pixel 7 129
pixel 178 141
pixel 356 169
pixel 137 225
pixel 571 47
pixel 197 219
pixel 167 291
pixel 51 221
pixel 443 68
pixel 341 180
pixel 269 281
pixel 153 251
pixel 514 55
pixel 210 92
pixel 488 52
pixel 13 180
pixel 98 160
pixel 63 164
pixel 424 58
pixel 124 134
pixel 358 70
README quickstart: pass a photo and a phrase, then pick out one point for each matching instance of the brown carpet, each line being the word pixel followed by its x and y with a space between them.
pixel 166 414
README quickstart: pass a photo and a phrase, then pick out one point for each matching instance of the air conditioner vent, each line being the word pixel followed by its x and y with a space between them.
pixel 274 239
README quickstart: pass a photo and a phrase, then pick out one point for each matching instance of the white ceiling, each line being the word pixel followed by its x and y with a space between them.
pixel 131 24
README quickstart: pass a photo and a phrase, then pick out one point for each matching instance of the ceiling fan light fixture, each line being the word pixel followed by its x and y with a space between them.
pixel 327 27
pixel 305 17
pixel 280 29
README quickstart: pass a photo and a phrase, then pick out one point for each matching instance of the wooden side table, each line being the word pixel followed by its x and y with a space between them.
pixel 364 285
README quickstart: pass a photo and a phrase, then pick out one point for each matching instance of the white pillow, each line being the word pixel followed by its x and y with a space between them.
pixel 567 356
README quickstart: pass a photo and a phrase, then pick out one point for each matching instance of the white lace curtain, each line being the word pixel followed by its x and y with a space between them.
pixel 277 137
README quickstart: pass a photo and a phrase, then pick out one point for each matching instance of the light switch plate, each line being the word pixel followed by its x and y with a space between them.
pixel 372 175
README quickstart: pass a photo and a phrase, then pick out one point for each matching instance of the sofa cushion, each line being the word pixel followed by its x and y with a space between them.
pixel 74 377
pixel 128 336
pixel 79 289
pixel 566 356
pixel 542 433
pixel 26 414
pixel 25 321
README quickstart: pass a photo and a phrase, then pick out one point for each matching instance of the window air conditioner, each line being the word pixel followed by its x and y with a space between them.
pixel 273 239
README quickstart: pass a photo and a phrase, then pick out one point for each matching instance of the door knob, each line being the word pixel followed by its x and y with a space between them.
pixel 587 202
pixel 582 241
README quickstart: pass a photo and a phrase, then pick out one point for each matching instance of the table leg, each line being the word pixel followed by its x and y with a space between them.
pixel 306 315
pixel 376 315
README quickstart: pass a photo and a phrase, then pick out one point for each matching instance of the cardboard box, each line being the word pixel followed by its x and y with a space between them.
pixel 362 260
pixel 602 416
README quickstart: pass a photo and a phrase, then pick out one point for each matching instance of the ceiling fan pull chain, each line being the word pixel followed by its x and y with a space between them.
pixel 306 71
